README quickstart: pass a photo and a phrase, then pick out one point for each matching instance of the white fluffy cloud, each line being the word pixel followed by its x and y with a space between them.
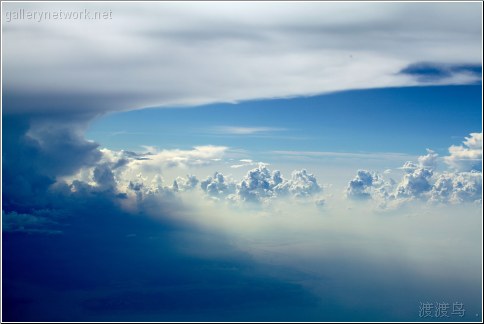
pixel 261 184
pixel 422 184
pixel 421 180
pixel 414 184
pixel 359 187
pixel 457 187
pixel 218 185
pixel 139 175
pixel 303 184
pixel 258 184
pixel 368 184
pixel 187 183
pixel 468 156
pixel 429 160
pixel 125 174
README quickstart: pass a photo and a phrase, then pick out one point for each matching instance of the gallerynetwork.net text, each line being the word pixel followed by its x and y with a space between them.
pixel 39 16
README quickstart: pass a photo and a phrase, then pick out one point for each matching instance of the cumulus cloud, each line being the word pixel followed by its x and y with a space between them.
pixel 218 185
pixel 468 156
pixel 421 180
pixel 368 184
pixel 187 183
pixel 414 184
pixel 428 161
pixel 303 184
pixel 358 188
pixel 104 177
pixel 36 153
pixel 457 187
pixel 258 184
pixel 125 173
pixel 261 184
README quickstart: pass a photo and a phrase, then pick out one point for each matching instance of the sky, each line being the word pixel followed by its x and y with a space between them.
pixel 249 161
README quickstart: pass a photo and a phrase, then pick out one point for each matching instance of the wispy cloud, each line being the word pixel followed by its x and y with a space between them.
pixel 244 130
pixel 346 155
pixel 247 163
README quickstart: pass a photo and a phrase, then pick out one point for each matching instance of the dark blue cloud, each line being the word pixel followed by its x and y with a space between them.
pixel 432 72
pixel 36 151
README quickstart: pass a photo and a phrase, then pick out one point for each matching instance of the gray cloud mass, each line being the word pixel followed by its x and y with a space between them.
pixel 227 52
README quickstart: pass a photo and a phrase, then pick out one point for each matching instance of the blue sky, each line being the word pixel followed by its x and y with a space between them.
pixel 403 120
pixel 242 161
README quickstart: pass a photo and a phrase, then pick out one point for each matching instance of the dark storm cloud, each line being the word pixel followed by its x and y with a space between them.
pixel 35 152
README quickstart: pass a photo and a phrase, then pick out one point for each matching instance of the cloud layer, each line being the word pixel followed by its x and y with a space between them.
pixel 229 52
pixel 136 176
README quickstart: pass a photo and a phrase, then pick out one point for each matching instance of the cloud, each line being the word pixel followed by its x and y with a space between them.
pixel 358 188
pixel 457 188
pixel 37 153
pixel 246 163
pixel 188 183
pixel 302 184
pixel 130 172
pixel 198 156
pixel 261 185
pixel 39 223
pixel 421 181
pixel 428 161
pixel 239 130
pixel 444 73
pixel 468 156
pixel 104 177
pixel 414 184
pixel 173 54
pixel 218 185
pixel 367 185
